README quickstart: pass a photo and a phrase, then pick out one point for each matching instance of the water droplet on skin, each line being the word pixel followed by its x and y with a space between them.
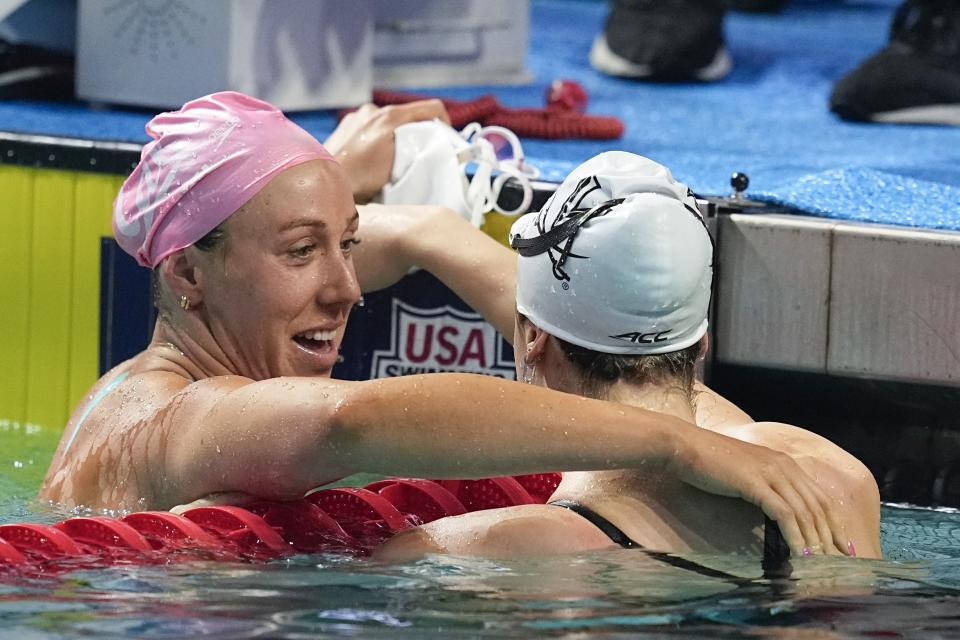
pixel 219 450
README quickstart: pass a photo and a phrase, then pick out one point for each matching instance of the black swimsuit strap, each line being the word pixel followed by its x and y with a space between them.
pixel 597 520
pixel 776 553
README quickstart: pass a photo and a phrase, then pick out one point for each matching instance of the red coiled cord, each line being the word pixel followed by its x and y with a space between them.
pixel 552 124
pixel 563 118
pixel 461 112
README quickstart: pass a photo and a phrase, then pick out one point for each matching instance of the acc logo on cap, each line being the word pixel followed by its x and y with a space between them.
pixel 644 338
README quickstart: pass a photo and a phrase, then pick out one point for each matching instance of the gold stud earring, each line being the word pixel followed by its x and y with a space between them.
pixel 184 303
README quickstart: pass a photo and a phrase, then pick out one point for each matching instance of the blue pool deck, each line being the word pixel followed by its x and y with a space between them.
pixel 853 270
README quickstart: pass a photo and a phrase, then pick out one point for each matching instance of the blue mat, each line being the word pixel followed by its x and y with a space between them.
pixel 769 118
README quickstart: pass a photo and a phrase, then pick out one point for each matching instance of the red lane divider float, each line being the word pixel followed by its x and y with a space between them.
pixel 243 530
pixel 540 486
pixel 488 493
pixel 9 554
pixel 40 540
pixel 167 531
pixel 344 520
pixel 305 526
pixel 423 500
pixel 367 516
pixel 104 533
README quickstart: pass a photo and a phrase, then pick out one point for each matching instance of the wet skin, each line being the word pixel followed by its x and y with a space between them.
pixel 284 269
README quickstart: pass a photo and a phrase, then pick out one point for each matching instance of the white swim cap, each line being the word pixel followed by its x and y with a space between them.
pixel 619 260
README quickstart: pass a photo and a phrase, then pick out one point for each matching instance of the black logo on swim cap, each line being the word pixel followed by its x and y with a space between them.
pixel 644 338
pixel 557 242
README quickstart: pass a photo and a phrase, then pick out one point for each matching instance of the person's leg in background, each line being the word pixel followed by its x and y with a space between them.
pixel 671 40
pixel 916 77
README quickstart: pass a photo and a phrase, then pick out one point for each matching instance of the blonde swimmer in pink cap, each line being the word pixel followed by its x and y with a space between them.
pixel 250 228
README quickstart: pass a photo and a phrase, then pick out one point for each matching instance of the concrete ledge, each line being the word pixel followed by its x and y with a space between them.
pixel 895 304
pixel 773 285
pixel 812 294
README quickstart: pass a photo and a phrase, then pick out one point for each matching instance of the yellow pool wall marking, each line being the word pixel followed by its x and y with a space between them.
pixel 50 289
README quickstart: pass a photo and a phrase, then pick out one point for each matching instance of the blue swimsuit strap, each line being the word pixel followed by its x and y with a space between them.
pixel 101 394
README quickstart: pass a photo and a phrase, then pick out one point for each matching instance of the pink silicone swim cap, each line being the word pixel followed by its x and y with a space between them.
pixel 205 162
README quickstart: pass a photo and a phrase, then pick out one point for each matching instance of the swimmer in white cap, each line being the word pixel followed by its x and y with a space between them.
pixel 613 283
pixel 250 226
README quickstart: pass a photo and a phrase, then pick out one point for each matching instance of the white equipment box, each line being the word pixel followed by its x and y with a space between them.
pixel 297 54
pixel 422 43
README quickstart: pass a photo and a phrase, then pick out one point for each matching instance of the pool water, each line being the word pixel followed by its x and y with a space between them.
pixel 914 593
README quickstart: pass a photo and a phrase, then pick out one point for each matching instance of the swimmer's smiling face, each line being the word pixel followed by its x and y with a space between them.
pixel 276 295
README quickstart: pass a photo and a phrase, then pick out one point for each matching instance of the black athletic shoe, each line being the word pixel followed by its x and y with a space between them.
pixel 913 80
pixel 672 40
pixel 33 73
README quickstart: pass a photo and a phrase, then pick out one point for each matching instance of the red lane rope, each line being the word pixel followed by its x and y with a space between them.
pixel 488 493
pixel 345 520
pixel 104 533
pixel 540 486
pixel 167 531
pixel 424 500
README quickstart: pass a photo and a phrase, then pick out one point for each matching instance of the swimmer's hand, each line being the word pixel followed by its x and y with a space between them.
pixel 235 498
pixel 769 479
pixel 363 142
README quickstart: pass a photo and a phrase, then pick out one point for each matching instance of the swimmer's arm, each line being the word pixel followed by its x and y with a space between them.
pixel 842 476
pixel 478 268
pixel 279 438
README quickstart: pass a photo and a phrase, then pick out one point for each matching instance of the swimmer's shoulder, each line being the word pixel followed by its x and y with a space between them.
pixel 143 388
pixel 511 532
pixel 812 451
pixel 792 440
pixel 713 411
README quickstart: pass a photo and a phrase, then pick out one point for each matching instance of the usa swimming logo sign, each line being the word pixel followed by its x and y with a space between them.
pixel 442 339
